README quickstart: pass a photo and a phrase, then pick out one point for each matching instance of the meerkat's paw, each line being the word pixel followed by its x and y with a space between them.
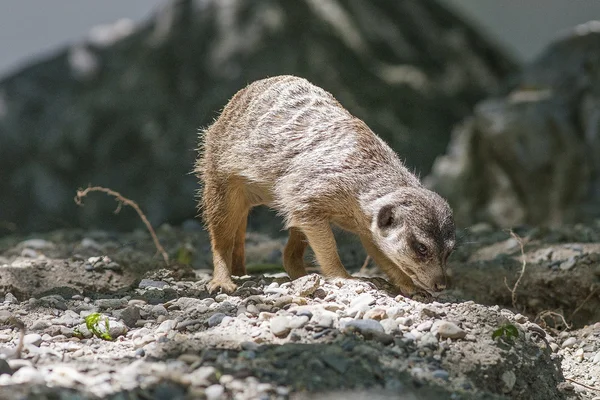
pixel 422 297
pixel 340 280
pixel 227 286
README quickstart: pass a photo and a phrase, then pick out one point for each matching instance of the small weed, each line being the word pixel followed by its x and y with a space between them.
pixel 507 331
pixel 92 322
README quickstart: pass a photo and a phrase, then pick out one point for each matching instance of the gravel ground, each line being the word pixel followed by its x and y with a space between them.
pixel 272 338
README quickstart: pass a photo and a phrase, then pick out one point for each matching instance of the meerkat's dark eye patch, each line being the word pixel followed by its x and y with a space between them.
pixel 385 217
pixel 421 249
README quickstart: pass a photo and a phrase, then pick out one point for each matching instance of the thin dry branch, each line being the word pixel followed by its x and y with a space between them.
pixel 589 296
pixel 81 193
pixel 513 291
pixel 547 313
pixel 582 384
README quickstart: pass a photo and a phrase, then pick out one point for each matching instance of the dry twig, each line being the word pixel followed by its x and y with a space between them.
pixel 594 289
pixel 582 384
pixel 547 313
pixel 81 193
pixel 513 291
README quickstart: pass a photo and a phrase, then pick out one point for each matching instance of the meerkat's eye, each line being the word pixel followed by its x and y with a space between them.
pixel 421 249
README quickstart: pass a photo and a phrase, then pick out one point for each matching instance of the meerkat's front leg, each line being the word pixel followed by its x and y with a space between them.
pixel 398 277
pixel 321 240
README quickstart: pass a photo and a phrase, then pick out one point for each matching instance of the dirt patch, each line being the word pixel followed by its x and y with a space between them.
pixel 278 339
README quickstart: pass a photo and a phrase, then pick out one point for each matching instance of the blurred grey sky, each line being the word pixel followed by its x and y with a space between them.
pixel 526 27
pixel 29 29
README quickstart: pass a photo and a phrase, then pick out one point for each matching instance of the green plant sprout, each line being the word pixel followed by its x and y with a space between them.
pixel 92 322
pixel 506 331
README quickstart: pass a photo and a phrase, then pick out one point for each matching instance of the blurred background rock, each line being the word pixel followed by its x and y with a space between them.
pixel 119 104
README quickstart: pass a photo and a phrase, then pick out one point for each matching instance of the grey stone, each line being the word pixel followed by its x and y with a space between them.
pixel 10 298
pixel 214 392
pixel 389 325
pixel 166 326
pixel 116 329
pixel 441 374
pixel 111 303
pixel 367 327
pixel 40 325
pixel 148 283
pixel 130 315
pixel 446 329
pixel 324 318
pixel 33 339
pixel 568 264
pixel 29 375
pixel 428 340
pixel 203 376
pixel 277 290
pixel 221 297
pixel 363 299
pixel 279 326
pixel 159 309
pixel 215 319
pixel 54 301
pixel 69 318
pixel 298 321
pixel 509 378
pixel 249 346
pixel 521 318
pixel 570 342
pixel 303 312
pixel 5 368
pixel 424 326
pixel 305 286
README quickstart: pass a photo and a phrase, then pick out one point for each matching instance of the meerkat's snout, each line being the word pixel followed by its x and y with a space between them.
pixel 439 283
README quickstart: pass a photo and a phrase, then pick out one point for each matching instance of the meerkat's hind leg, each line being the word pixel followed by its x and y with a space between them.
pixel 239 256
pixel 293 253
pixel 225 208
pixel 321 240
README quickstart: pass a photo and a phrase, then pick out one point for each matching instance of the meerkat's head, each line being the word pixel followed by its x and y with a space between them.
pixel 414 228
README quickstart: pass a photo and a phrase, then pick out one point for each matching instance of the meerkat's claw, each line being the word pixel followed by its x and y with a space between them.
pixel 226 286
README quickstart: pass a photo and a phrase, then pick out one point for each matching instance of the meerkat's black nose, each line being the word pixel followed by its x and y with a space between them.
pixel 439 283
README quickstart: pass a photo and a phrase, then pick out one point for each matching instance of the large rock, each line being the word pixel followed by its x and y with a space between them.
pixel 122 108
pixel 532 155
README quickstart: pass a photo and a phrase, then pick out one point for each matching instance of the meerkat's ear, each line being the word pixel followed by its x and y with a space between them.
pixel 385 216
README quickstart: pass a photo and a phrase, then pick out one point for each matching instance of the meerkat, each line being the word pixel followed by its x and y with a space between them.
pixel 290 145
